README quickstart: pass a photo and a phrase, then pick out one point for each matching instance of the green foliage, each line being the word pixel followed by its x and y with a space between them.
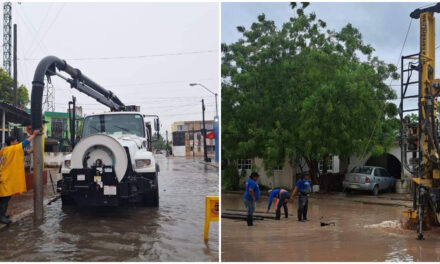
pixel 230 177
pixel 7 90
pixel 159 143
pixel 303 90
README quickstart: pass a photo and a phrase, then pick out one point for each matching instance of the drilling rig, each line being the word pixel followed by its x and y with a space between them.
pixel 419 135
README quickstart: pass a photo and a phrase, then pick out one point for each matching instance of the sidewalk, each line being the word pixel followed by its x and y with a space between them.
pixel 22 205
pixel 388 199
pixel 213 164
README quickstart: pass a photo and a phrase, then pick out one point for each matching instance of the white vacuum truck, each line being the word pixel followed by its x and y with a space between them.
pixel 113 162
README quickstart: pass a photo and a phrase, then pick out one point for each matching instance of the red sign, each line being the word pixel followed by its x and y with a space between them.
pixel 210 135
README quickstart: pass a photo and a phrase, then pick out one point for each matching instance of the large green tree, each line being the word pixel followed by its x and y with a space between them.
pixel 304 91
pixel 159 143
pixel 7 90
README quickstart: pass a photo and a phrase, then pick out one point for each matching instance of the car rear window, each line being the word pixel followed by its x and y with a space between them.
pixel 362 170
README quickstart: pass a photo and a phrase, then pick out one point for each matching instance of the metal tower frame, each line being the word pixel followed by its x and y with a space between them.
pixel 7 36
pixel 49 98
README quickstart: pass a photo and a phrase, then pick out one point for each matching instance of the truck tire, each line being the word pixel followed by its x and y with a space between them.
pixel 151 198
pixel 67 200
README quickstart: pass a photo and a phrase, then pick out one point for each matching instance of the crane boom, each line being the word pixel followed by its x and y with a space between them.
pixel 421 139
pixel 49 66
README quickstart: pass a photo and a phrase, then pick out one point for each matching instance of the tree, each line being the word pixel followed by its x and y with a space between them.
pixel 7 90
pixel 303 90
pixel 159 143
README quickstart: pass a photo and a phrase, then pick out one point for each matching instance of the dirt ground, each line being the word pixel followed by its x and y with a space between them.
pixel 365 228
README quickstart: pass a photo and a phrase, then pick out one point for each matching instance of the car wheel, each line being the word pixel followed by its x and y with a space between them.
pixel 347 190
pixel 375 190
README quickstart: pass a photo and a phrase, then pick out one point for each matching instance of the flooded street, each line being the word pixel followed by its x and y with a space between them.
pixel 171 232
pixel 361 232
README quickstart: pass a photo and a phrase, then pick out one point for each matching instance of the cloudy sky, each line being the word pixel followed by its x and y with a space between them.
pixel 383 25
pixel 167 45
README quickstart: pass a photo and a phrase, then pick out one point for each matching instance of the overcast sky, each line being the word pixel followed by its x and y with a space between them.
pixel 156 80
pixel 383 25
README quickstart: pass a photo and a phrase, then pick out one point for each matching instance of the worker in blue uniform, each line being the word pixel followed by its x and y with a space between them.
pixel 251 196
pixel 283 198
pixel 303 188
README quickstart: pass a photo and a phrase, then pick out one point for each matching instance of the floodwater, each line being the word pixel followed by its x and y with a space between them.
pixel 361 232
pixel 172 232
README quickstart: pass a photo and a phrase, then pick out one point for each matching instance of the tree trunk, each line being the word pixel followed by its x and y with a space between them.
pixel 324 164
pixel 313 169
pixel 324 182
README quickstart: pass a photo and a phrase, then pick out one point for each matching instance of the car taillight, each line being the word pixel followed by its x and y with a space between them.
pixel 344 179
pixel 367 179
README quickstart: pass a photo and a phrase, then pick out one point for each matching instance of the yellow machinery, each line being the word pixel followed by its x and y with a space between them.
pixel 419 138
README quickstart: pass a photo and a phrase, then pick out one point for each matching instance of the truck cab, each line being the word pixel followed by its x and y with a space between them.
pixel 112 163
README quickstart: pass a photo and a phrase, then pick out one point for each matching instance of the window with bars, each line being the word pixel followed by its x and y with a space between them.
pixel 244 164
pixel 59 125
pixel 329 164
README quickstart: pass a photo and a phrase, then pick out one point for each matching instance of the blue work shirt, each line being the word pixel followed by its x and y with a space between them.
pixel 251 185
pixel 25 144
pixel 304 186
pixel 273 194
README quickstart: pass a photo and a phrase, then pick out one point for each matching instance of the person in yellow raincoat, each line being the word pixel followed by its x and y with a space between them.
pixel 12 176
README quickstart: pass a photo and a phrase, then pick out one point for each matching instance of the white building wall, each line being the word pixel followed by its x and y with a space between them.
pixel 286 177
pixel 179 151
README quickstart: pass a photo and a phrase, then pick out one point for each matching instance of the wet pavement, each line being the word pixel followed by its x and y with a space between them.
pixel 172 232
pixel 361 232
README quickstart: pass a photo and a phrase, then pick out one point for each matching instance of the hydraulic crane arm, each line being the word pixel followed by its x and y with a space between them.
pixel 48 66
pixel 421 139
pixel 433 9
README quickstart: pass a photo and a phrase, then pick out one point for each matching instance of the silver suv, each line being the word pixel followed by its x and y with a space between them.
pixel 368 178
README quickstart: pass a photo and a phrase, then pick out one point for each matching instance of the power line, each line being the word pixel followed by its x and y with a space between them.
pixel 383 108
pixel 39 28
pixel 51 24
pixel 31 29
pixel 134 56
pixel 154 83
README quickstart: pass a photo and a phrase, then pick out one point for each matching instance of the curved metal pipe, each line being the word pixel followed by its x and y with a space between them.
pixel 48 66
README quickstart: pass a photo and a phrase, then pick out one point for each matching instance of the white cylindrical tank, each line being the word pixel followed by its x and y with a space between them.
pixel 102 149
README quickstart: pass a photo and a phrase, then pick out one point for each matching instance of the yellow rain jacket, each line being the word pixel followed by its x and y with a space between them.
pixel 12 176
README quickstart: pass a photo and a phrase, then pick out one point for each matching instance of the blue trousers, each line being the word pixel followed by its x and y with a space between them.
pixel 250 206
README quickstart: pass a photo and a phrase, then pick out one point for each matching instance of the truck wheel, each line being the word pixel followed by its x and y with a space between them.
pixel 151 198
pixel 67 200
pixel 375 190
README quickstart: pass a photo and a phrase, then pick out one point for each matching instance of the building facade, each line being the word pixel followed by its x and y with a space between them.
pixel 58 131
pixel 188 139
pixel 286 175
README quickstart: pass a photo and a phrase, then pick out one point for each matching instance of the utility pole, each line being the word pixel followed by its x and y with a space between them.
pixel 7 19
pixel 194 139
pixel 167 144
pixel 15 66
pixel 38 177
pixel 72 117
pixel 204 132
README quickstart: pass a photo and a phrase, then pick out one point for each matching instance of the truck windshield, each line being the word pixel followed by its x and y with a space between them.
pixel 362 170
pixel 122 124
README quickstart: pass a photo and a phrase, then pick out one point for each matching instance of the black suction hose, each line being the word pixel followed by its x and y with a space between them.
pixel 48 66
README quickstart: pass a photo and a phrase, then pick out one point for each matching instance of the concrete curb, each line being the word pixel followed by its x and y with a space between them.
pixel 17 217
pixel 215 165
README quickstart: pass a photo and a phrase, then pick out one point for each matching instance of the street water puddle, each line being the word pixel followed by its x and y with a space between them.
pixel 172 232
pixel 362 232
